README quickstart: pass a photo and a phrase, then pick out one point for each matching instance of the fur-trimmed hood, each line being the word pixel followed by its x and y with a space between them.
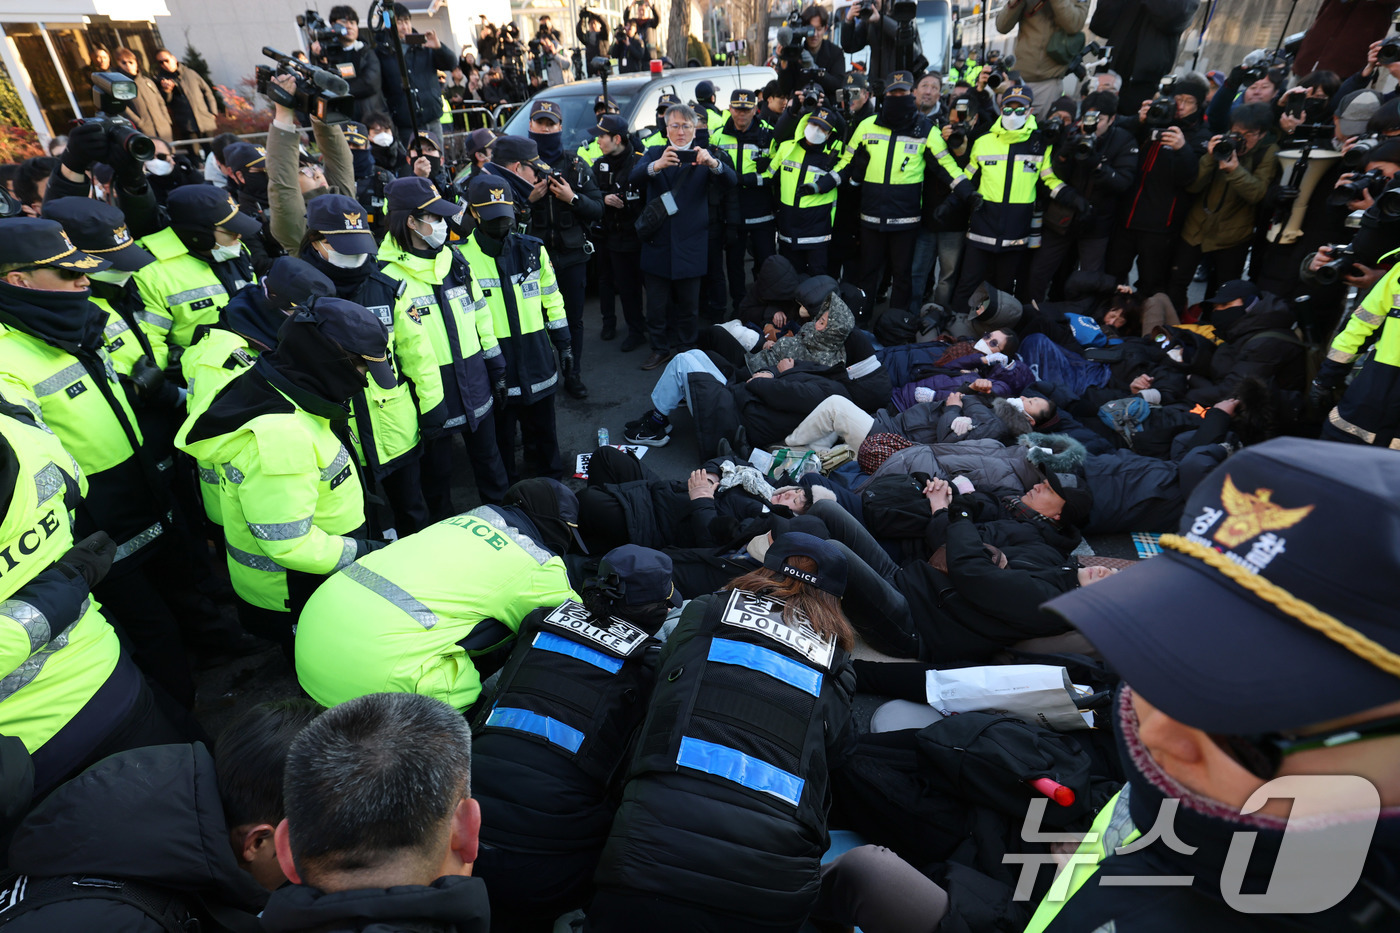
pixel 1066 454
pixel 1017 422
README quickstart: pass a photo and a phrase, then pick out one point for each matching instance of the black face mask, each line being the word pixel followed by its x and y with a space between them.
pixel 255 184
pixel 551 146
pixel 497 228
pixel 897 111
pixel 363 160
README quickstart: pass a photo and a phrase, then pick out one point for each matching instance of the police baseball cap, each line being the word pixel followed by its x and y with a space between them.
pixel 342 221
pixel 828 120
pixel 705 90
pixel 639 575
pixel 667 100
pixel 356 330
pixel 510 149
pixel 899 81
pixel 478 140
pixel 355 133
pixel 855 80
pixel 743 100
pixel 605 104
pixel 831 563
pixel 1273 608
pixel 204 207
pixel 292 282
pixel 1079 501
pixel 545 110
pixel 34 241
pixel 814 290
pixel 417 195
pixel 609 124
pixel 245 157
pixel 98 229
pixel 1019 95
pixel 1233 291
pixel 490 196
pixel 529 494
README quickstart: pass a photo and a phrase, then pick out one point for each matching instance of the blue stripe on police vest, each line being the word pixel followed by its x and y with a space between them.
pixel 559 645
pixel 745 770
pixel 522 720
pixel 766 661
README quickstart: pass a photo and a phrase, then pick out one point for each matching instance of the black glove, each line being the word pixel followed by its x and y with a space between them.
pixel 1287 194
pixel 1072 199
pixel 974 201
pixel 499 393
pixel 807 188
pixel 1321 395
pixel 960 509
pixel 147 378
pixel 90 558
pixel 87 143
pixel 566 360
pixel 364 546
pixel 433 422
pixel 130 172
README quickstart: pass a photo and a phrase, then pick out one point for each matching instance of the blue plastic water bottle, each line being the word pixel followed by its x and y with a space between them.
pixel 602 437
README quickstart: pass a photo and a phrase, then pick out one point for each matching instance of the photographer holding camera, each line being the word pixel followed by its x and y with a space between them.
pixel 877 28
pixel 827 59
pixel 1232 179
pixel 353 60
pixel 1171 137
pixel 628 49
pixel 1042 28
pixel 1144 36
pixel 424 56
pixel 592 33
pixel 1383 53
pixel 1262 84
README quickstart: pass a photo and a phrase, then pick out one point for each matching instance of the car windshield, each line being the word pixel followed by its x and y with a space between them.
pixel 578 114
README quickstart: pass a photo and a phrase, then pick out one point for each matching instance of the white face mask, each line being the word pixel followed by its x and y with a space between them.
pixel 1013 121
pixel 982 347
pixel 225 253
pixel 345 260
pixel 437 234
pixel 1017 404
pixel 111 277
pixel 816 135
pixel 160 167
pixel 382 139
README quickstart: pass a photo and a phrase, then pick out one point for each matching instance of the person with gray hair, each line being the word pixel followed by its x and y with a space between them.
pixel 380 825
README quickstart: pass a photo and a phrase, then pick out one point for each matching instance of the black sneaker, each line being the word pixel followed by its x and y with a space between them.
pixel 647 432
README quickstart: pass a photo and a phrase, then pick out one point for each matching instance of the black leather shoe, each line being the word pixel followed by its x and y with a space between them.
pixel 609 332
pixel 657 358
pixel 573 384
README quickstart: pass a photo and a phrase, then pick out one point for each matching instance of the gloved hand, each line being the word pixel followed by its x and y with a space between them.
pixel 1321 395
pixel 147 377
pixel 1072 199
pixel 992 358
pixel 974 201
pixel 433 422
pixel 87 144
pixel 364 546
pixel 960 509
pixel 90 558
pixel 566 360
pixel 923 394
pixel 961 425
pixel 1287 194
pixel 129 172
pixel 499 392
pixel 807 188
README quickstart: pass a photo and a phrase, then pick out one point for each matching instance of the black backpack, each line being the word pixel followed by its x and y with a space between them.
pixel 895 326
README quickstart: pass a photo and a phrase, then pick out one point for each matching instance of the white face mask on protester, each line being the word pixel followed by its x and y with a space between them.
pixel 160 167
pixel 1013 121
pixel 382 139
pixel 344 260
pixel 982 347
pixel 437 234
pixel 1016 403
pixel 225 253
pixel 816 135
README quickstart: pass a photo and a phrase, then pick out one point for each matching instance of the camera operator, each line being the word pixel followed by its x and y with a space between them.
pixel 425 159
pixel 619 260
pixel 547 31
pixel 1261 85
pixel 1232 178
pixel 1036 22
pixel 1365 76
pixel 643 15
pixel 1099 160
pixel 875 28
pixel 1144 36
pixel 628 49
pixel 826 57
pixel 1171 137
pixel 147 112
pixel 1365 270
pixel 354 61
pixel 89 144
pixel 592 33
pixel 1308 104
pixel 423 62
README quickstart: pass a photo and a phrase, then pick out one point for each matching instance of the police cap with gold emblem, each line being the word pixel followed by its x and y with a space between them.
pixel 1273 607
pixel 418 195
pixel 99 229
pixel 545 110
pixel 341 220
pixel 204 207
pixel 743 100
pixel 489 196
pixel 35 242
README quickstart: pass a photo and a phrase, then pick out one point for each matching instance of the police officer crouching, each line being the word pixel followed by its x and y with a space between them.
pixel 547 749
pixel 722 823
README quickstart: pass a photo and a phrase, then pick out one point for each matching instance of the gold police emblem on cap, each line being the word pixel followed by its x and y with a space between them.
pixel 850 79
pixel 232 203
pixel 546 106
pixel 823 115
pixel 352 221
pixel 1252 515
pixel 498 194
pixel 119 235
pixel 85 263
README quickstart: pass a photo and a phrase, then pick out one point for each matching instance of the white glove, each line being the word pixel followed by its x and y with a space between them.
pixel 963 484
pixel 923 394
pixel 991 358
pixel 961 425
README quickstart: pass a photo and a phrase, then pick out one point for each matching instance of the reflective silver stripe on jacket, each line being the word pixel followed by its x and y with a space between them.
pixel 281 531
pixel 497 521
pixel 118 326
pixel 253 561
pixel 342 457
pixel 155 320
pixel 759 220
pixel 422 301
pixel 393 593
pixel 137 542
pixel 455 422
pixel 29 669
pixel 234 474
pixel 890 221
pixel 48 482
pixel 556 324
pixel 481 412
pixel 194 294
pixel 209 475
pixel 30 618
pixel 489 283
pixel 804 240
pixel 537 387
pixel 993 241
pixel 60 380
pixel 347 554
pixel 457 291
pixel 493 351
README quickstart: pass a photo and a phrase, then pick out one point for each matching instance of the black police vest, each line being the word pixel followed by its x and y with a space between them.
pixel 741 704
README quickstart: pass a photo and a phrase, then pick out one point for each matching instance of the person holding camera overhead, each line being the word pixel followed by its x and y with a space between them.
pixel 424 55
pixel 1171 136
pixel 644 16
pixel 354 61
pixel 1040 26
pixel 826 57
pixel 876 27
pixel 1232 178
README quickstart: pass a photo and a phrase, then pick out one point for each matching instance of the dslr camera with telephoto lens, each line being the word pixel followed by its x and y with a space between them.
pixel 1330 273
pixel 1354 189
pixel 112 91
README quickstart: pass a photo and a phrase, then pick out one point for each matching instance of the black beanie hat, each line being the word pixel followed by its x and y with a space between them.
pixel 1193 83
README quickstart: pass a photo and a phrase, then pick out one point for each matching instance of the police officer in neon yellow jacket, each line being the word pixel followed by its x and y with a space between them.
pixel 401 620
pixel 66 688
pixel 200 260
pixel 1369 410
pixel 292 501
